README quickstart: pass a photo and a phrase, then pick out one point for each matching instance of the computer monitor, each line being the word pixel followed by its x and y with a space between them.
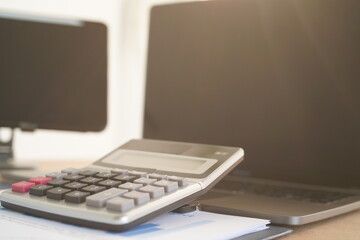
pixel 278 78
pixel 53 75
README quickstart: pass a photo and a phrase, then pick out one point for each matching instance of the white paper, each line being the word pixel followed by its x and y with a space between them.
pixel 195 225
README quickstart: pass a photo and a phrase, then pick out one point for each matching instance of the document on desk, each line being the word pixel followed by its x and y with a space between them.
pixel 197 225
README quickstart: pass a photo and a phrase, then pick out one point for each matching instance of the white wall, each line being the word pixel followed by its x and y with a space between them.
pixel 127 22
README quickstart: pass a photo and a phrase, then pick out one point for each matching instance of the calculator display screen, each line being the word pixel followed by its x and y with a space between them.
pixel 159 161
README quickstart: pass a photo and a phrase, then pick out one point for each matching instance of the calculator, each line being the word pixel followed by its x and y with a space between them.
pixel 136 182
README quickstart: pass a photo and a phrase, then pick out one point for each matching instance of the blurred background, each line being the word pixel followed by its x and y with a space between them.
pixel 127 32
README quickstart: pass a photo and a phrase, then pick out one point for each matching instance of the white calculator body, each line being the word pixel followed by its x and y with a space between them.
pixel 138 181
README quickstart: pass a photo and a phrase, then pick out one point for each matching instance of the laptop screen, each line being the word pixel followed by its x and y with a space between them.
pixel 279 78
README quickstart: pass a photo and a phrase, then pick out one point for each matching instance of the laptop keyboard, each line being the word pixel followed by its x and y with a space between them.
pixel 301 194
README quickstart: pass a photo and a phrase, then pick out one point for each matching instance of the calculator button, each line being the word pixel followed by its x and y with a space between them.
pixel 57 193
pixel 168 185
pixel 91 180
pixel 138 174
pixel 56 175
pixel 106 175
pixel 40 180
pixel 93 189
pixel 99 199
pixel 125 178
pixel 76 196
pixel 157 176
pixel 120 204
pixel 109 183
pixel 58 182
pixel 182 182
pixel 130 186
pixel 74 177
pixel 75 185
pixel 40 189
pixel 155 192
pixel 139 197
pixel 22 186
pixel 119 171
pixel 72 171
pixel 145 181
pixel 88 173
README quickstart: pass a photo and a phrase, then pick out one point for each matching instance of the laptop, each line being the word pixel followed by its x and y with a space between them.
pixel 279 78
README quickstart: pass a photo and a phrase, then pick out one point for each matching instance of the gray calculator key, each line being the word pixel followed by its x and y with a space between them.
pixel 125 178
pixel 71 171
pixel 40 189
pixel 130 186
pixel 58 182
pixel 75 185
pixel 139 197
pixel 138 174
pixel 145 181
pixel 76 196
pixel 119 171
pixel 169 186
pixel 88 173
pixel 182 182
pixel 155 192
pixel 99 199
pixel 93 189
pixel 157 176
pixel 91 180
pixel 108 183
pixel 106 175
pixel 57 193
pixel 56 175
pixel 74 177
pixel 120 204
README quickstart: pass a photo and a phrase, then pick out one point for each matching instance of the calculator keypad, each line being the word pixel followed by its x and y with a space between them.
pixel 118 190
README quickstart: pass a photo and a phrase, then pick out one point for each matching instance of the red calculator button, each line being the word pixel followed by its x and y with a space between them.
pixel 22 186
pixel 40 180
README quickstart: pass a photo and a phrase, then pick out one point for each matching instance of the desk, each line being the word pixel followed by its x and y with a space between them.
pixel 346 226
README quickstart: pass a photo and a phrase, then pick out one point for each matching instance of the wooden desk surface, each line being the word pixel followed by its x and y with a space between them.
pixel 346 226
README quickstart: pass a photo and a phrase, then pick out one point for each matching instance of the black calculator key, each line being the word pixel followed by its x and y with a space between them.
pixel 88 173
pixel 57 193
pixel 74 177
pixel 125 178
pixel 93 189
pixel 91 180
pixel 76 196
pixel 58 182
pixel 109 183
pixel 75 185
pixel 40 189
pixel 106 175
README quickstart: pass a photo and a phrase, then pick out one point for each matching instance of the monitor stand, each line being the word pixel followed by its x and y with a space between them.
pixel 7 154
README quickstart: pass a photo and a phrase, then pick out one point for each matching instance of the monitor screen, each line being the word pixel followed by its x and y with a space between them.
pixel 279 78
pixel 53 73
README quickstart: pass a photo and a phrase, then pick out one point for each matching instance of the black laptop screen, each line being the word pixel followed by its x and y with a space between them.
pixel 279 78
